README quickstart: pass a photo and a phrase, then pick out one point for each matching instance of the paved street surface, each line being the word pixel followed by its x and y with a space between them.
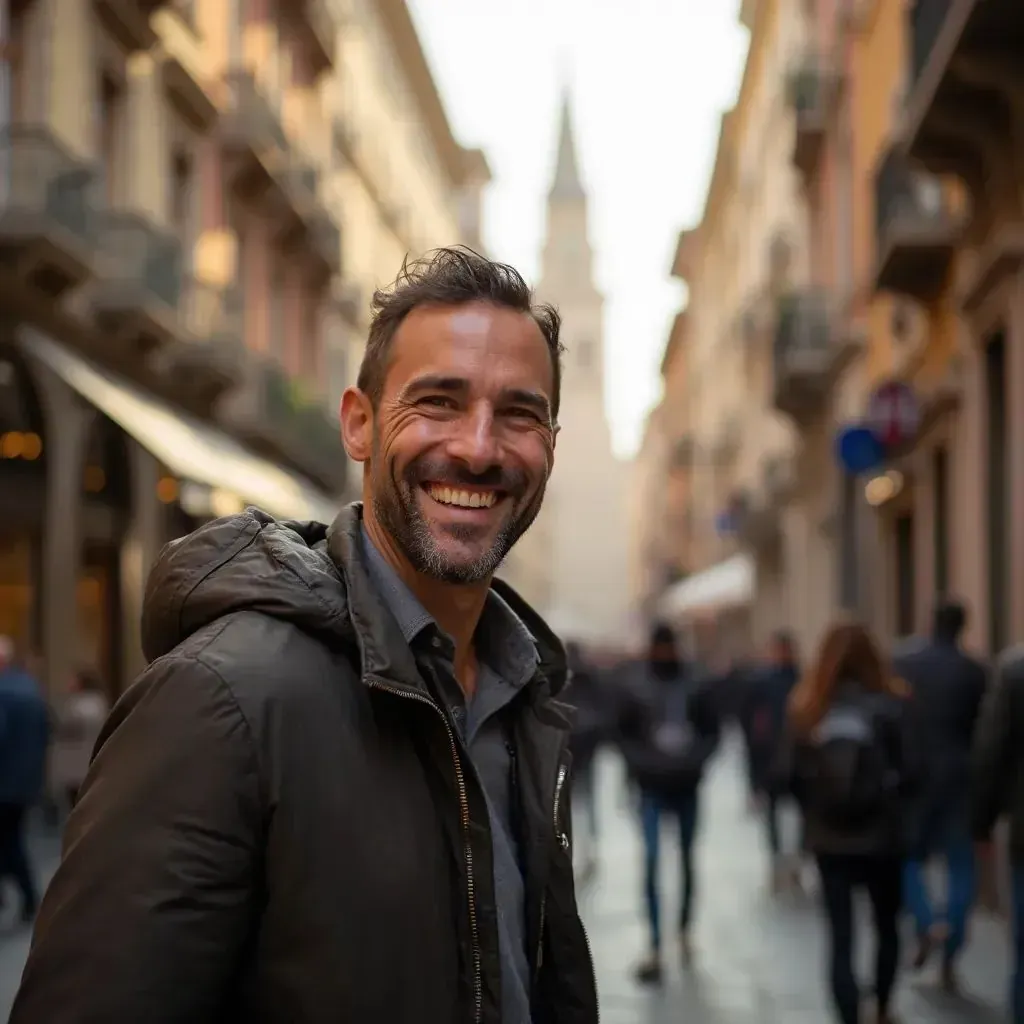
pixel 758 960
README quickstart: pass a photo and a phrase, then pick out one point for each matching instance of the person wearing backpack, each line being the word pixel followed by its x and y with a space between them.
pixel 668 728
pixel 848 765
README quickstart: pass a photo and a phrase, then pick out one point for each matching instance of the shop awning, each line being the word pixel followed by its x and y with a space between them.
pixel 191 450
pixel 728 584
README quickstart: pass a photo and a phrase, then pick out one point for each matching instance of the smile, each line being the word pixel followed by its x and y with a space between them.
pixel 461 497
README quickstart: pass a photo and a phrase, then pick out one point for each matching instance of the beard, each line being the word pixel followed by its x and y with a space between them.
pixel 397 507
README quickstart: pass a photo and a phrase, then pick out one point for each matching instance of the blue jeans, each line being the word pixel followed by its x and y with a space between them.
pixel 1017 991
pixel 684 809
pixel 959 856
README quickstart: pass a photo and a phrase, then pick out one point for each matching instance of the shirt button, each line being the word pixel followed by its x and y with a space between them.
pixel 437 642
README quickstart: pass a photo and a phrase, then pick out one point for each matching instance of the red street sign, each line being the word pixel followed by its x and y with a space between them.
pixel 894 413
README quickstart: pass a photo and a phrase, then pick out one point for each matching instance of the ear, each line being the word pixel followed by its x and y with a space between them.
pixel 357 424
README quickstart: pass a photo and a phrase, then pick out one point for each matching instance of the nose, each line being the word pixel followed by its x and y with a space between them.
pixel 473 441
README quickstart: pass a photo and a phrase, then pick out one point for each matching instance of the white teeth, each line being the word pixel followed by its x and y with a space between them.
pixel 464 499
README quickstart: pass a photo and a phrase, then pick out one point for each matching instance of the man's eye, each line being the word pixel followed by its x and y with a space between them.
pixel 523 414
pixel 438 402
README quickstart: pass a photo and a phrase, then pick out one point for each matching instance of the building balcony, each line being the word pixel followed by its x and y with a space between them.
pixel 253 138
pixel 808 354
pixel 48 220
pixel 208 357
pixel 129 21
pixel 139 283
pixel 966 82
pixel 304 219
pixel 186 64
pixel 812 87
pixel 916 231
pixel 275 414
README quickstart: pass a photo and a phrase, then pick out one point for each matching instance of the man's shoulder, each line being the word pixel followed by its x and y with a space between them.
pixel 261 658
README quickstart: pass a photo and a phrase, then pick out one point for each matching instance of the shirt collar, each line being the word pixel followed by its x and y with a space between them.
pixel 504 642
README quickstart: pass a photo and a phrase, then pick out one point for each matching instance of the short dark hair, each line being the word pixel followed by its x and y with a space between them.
pixel 949 619
pixel 452 276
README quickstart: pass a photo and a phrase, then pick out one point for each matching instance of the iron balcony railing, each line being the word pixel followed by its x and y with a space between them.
pixel 251 112
pixel 905 196
pixel 213 313
pixel 802 333
pixel 807 86
pixel 926 20
pixel 303 423
pixel 40 182
pixel 139 254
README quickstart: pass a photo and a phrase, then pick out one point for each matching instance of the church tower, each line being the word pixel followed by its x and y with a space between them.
pixel 572 564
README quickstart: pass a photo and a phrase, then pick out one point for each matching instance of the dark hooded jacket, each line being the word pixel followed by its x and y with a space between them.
pixel 279 825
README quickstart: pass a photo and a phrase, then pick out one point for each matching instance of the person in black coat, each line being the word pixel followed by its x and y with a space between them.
pixel 668 726
pixel 948 687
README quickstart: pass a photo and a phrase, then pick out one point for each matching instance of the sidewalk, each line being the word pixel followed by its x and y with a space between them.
pixel 757 960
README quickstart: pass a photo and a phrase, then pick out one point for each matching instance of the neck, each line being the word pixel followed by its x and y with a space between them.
pixel 455 607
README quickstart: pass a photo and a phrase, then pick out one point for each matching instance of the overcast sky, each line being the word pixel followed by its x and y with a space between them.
pixel 649 81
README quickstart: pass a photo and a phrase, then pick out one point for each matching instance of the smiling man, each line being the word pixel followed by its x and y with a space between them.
pixel 338 791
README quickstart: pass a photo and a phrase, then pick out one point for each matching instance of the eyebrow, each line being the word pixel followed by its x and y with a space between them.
pixel 536 400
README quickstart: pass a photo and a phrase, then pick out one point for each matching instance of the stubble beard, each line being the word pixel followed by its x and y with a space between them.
pixel 398 511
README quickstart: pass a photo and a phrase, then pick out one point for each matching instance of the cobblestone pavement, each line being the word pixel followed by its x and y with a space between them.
pixel 757 960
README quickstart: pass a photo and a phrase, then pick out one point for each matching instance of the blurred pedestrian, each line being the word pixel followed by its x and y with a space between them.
pixel 997 788
pixel 668 729
pixel 24 735
pixel 339 790
pixel 947 686
pixel 767 697
pixel 848 764
pixel 79 716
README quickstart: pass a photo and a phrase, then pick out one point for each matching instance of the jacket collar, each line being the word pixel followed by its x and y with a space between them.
pixel 383 649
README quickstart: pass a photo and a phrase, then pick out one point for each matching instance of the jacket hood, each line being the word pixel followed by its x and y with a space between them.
pixel 303 573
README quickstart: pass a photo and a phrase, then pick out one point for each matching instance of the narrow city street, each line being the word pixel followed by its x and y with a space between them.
pixel 758 960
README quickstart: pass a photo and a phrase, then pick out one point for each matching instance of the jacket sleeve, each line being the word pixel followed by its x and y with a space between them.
pixel 706 718
pixel 992 756
pixel 148 912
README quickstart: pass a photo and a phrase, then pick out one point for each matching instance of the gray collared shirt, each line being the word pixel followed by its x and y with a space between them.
pixel 507 656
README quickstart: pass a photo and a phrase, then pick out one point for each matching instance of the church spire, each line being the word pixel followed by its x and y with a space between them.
pixel 566 184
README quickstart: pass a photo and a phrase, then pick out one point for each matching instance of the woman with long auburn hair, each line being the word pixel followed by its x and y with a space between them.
pixel 846 762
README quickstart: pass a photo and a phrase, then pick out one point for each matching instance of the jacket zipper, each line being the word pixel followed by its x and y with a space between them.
pixel 563 840
pixel 379 684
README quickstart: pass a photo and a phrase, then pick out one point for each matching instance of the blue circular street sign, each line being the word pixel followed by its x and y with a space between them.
pixel 859 449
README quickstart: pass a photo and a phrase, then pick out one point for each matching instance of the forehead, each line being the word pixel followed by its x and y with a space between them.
pixel 488 346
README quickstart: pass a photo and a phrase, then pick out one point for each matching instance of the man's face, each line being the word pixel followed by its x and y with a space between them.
pixel 462 438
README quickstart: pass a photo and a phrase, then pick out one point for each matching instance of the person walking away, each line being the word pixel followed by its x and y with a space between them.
pixel 668 729
pixel 997 788
pixel 24 735
pixel 947 687
pixel 848 764
pixel 589 731
pixel 79 717
pixel 767 699
pixel 338 792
